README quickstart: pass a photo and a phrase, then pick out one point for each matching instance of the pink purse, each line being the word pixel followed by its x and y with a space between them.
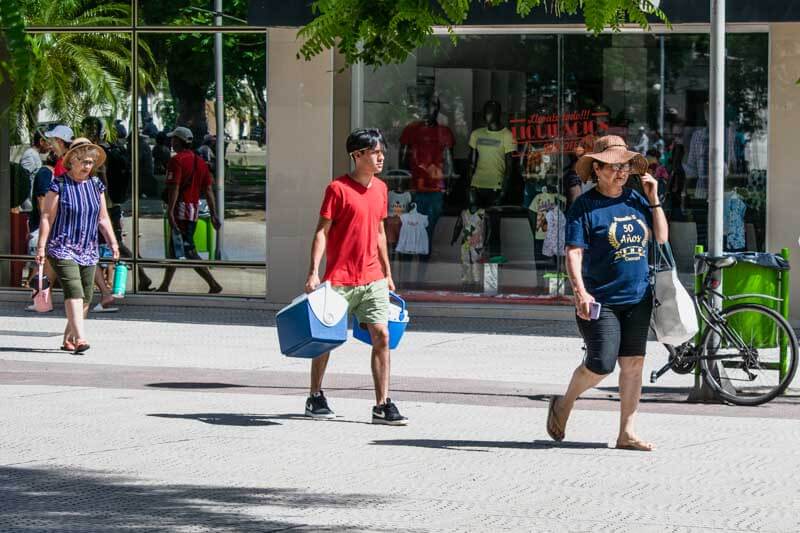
pixel 42 302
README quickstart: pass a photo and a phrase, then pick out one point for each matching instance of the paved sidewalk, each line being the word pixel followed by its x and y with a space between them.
pixel 193 423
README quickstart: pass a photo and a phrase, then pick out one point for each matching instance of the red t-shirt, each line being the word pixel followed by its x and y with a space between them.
pixel 357 213
pixel 427 145
pixel 186 165
pixel 59 169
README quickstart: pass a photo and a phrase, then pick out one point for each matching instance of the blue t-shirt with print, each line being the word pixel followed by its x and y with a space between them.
pixel 615 234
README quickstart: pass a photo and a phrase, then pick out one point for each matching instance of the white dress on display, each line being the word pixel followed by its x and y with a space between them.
pixel 413 234
pixel 553 244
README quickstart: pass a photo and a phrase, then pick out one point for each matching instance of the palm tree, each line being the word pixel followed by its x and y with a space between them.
pixel 76 74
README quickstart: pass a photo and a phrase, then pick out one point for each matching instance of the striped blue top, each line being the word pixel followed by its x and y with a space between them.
pixel 74 233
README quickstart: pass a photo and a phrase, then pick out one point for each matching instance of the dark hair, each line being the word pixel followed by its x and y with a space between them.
pixel 37 138
pixel 161 137
pixel 364 139
pixel 183 144
pixel 600 164
pixel 95 123
pixel 51 159
pixel 493 104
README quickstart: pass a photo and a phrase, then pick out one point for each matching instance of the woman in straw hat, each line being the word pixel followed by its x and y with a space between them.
pixel 74 208
pixel 609 229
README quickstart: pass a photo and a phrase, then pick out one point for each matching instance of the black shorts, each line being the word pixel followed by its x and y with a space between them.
pixel 621 331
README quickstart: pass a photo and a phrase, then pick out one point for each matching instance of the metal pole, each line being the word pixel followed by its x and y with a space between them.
pixel 662 89
pixel 134 128
pixel 716 128
pixel 219 110
pixel 716 155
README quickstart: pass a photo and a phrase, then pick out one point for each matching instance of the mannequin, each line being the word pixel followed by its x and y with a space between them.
pixel 733 212
pixel 490 166
pixel 543 202
pixel 426 151
pixel 697 161
pixel 471 233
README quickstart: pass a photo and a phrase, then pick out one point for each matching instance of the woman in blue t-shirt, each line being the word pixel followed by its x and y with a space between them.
pixel 609 230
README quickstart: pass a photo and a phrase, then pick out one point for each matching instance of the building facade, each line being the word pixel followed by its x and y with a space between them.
pixel 493 228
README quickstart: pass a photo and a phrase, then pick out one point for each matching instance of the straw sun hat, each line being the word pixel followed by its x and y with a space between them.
pixel 83 142
pixel 610 150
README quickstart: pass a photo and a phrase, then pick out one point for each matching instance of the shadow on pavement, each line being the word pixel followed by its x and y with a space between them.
pixel 244 420
pixel 194 385
pixel 469 445
pixel 21 333
pixel 61 499
pixel 16 349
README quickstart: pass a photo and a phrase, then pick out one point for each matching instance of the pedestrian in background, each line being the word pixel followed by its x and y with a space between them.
pixel 350 233
pixel 609 231
pixel 187 177
pixel 74 209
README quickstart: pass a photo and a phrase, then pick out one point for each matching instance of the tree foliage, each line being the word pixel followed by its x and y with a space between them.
pixel 75 74
pixel 380 32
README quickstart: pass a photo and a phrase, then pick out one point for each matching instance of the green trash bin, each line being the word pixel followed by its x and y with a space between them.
pixel 759 273
pixel 763 274
pixel 748 278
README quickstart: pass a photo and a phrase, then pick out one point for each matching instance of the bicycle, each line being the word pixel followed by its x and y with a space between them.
pixel 747 352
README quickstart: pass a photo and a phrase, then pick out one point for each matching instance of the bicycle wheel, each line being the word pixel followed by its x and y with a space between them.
pixel 759 372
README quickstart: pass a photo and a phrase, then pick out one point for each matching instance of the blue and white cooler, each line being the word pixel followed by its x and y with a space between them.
pixel 313 323
pixel 398 321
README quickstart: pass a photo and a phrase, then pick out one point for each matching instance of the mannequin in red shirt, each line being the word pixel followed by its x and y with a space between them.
pixel 426 150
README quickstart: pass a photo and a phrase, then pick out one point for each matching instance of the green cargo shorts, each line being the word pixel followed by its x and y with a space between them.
pixel 76 280
pixel 369 303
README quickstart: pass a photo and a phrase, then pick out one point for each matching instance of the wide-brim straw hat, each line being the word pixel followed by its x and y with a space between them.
pixel 83 142
pixel 610 149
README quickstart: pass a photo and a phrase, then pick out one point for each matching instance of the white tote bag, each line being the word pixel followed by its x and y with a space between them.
pixel 674 318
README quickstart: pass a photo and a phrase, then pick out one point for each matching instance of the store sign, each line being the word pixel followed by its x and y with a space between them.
pixel 553 129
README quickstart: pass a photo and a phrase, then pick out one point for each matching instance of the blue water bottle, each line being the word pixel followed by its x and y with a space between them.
pixel 120 280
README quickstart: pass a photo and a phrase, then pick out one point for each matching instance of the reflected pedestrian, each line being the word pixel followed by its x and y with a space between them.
pixel 74 209
pixel 609 230
pixel 187 178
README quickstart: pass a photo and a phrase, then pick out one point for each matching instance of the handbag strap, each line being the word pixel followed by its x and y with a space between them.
pixel 662 255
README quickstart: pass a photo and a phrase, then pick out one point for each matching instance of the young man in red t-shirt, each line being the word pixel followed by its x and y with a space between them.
pixel 350 232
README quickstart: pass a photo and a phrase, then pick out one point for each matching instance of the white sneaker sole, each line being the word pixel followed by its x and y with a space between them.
pixel 384 422
pixel 328 416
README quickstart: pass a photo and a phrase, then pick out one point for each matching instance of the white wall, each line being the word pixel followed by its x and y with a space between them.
pixel 783 175
pixel 299 165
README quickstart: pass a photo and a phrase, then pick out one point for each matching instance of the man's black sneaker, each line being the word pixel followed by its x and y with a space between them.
pixel 388 414
pixel 317 407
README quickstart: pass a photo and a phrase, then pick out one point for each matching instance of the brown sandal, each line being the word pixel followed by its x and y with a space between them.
pixel 80 347
pixel 637 446
pixel 554 427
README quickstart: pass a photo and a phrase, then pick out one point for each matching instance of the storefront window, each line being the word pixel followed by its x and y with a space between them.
pixel 83 82
pixel 185 97
pixel 483 137
pixel 82 79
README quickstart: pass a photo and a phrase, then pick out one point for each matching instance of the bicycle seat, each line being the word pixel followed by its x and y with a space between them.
pixel 723 261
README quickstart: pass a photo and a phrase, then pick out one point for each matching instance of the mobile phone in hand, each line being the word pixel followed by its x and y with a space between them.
pixel 594 310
